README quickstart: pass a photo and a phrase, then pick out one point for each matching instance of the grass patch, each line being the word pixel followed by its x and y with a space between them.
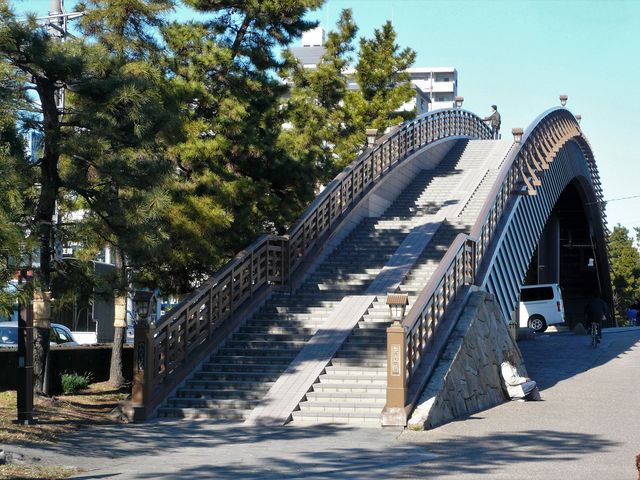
pixel 60 415
pixel 16 471
pixel 73 383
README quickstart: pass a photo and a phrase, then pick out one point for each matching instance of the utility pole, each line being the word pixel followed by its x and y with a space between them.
pixel 25 356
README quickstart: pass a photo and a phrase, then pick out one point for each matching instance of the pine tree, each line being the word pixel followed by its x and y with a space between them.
pixel 44 64
pixel 14 184
pixel 235 181
pixel 118 163
pixel 319 121
pixel 384 86
pixel 105 153
pixel 625 269
pixel 328 120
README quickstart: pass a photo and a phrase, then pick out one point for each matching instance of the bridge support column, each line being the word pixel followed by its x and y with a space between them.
pixel 549 252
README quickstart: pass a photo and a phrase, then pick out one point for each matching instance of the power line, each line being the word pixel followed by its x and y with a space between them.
pixel 614 199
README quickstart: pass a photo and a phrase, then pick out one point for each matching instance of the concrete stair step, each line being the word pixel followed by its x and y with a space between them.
pixel 222 403
pixel 376 362
pixel 331 407
pixel 237 376
pixel 218 394
pixel 361 379
pixel 248 360
pixel 349 387
pixel 350 370
pixel 342 397
pixel 260 353
pixel 231 385
pixel 235 367
pixel 314 418
pixel 193 413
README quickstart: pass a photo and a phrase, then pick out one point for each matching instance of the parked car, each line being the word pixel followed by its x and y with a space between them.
pixel 59 335
pixel 541 306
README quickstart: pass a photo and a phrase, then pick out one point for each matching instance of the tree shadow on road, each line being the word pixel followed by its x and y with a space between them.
pixel 556 357
pixel 417 457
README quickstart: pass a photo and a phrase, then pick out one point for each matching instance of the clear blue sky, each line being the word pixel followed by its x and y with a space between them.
pixel 522 55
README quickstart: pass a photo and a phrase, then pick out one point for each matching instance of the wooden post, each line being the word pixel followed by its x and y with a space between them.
pixel 394 413
pixel 143 369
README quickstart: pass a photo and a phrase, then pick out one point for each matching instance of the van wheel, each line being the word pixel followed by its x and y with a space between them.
pixel 537 323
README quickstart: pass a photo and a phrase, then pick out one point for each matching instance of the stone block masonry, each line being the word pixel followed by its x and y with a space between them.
pixel 467 378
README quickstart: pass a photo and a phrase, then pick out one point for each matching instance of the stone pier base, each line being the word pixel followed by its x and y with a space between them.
pixel 467 377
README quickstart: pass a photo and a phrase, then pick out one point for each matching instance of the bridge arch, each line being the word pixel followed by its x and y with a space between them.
pixel 551 156
pixel 558 170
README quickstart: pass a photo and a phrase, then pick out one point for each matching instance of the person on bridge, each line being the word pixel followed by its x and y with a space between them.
pixel 518 387
pixel 494 118
pixel 596 311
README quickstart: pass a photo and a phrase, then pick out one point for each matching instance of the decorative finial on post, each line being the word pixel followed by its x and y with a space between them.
pixel 371 137
pixel 517 135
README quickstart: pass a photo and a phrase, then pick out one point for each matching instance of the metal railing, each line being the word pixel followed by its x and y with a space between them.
pixel 163 347
pixel 409 342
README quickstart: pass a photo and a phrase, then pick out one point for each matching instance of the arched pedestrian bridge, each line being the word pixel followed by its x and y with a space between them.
pixel 296 328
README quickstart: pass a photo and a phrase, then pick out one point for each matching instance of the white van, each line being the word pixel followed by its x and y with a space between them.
pixel 540 306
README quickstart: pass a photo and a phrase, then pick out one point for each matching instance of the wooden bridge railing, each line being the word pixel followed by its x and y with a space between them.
pixel 412 340
pixel 166 346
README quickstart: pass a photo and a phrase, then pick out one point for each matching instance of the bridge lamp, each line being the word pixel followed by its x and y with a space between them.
pixel 517 135
pixel 371 137
pixel 563 100
pixel 142 300
pixel 458 102
pixel 397 305
pixel 578 118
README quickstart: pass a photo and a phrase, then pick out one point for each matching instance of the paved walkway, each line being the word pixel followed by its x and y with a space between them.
pixel 588 426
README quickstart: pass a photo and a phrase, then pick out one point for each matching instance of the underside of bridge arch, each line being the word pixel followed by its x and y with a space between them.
pixel 566 253
pixel 554 236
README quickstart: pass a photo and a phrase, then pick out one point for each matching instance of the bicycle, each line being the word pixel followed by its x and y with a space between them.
pixel 595 337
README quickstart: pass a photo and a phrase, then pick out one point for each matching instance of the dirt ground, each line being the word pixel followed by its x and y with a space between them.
pixel 55 417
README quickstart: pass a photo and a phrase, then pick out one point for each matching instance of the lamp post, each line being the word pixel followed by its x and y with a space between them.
pixel 397 306
pixel 142 389
pixel 394 412
pixel 142 301
pixel 457 101
pixel 563 100
pixel 578 118
pixel 371 137
pixel 517 135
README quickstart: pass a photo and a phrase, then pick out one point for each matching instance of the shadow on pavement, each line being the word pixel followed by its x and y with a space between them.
pixel 556 357
pixel 491 453
pixel 415 458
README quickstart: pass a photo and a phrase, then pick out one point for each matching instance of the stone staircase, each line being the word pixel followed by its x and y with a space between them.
pixel 352 389
pixel 235 377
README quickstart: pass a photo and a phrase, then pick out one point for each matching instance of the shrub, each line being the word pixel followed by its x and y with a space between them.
pixel 73 383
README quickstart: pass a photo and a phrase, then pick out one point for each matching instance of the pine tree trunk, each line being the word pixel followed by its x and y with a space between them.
pixel 41 339
pixel 116 378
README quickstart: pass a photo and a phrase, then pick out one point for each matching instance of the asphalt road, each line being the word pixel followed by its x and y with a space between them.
pixel 587 426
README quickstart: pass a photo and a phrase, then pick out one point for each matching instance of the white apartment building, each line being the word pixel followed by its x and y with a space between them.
pixel 436 87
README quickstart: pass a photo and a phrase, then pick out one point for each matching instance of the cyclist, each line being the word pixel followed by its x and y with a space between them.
pixel 596 311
